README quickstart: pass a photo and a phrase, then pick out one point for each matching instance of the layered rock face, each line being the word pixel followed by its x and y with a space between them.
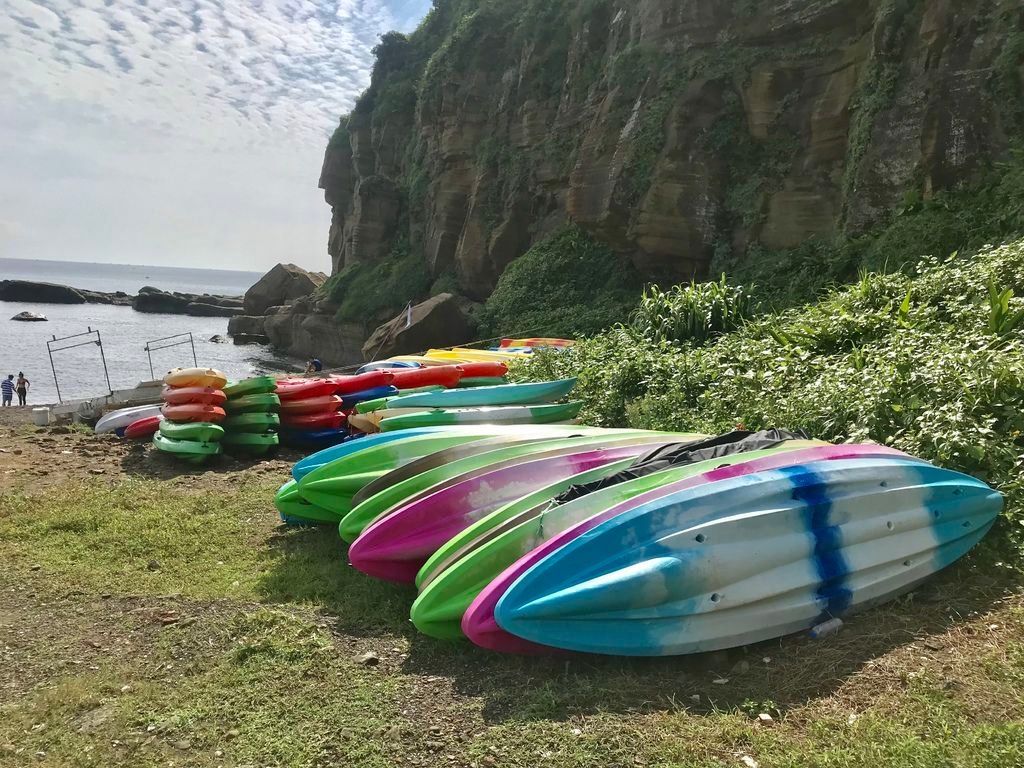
pixel 674 130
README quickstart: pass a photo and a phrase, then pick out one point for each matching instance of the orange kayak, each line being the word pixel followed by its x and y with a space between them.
pixel 198 395
pixel 194 412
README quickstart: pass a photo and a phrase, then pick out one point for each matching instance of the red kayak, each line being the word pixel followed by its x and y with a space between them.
pixel 315 422
pixel 304 389
pixel 483 370
pixel 193 412
pixel 198 395
pixel 435 376
pixel 324 404
pixel 347 385
pixel 143 429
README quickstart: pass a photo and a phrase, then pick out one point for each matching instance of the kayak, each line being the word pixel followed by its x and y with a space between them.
pixel 513 414
pixel 314 421
pixel 397 545
pixel 251 422
pixel 326 456
pixel 198 431
pixel 315 439
pixel 472 355
pixel 251 442
pixel 324 404
pixel 292 506
pixel 121 419
pixel 370 422
pixel 188 450
pixel 194 412
pixel 144 428
pixel 257 385
pixel 195 377
pixel 474 459
pixel 387 365
pixel 482 381
pixel 505 394
pixel 305 389
pixel 541 342
pixel 476 370
pixel 427 362
pixel 438 376
pixel 348 402
pixel 517 547
pixel 750 558
pixel 380 403
pixel 267 402
pixel 346 385
pixel 198 395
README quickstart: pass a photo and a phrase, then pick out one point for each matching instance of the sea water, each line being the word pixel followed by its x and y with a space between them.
pixel 123 331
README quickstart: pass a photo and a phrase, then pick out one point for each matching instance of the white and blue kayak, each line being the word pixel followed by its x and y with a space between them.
pixel 751 558
pixel 475 397
pixel 115 420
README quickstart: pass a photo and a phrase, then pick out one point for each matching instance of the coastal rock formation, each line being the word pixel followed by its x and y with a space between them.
pixel 39 293
pixel 673 130
pixel 442 321
pixel 154 300
pixel 29 317
pixel 306 328
pixel 282 284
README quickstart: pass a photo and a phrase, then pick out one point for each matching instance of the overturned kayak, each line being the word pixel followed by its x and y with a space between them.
pixel 265 402
pixel 115 420
pixel 749 558
pixel 196 377
pixel 251 422
pixel 296 510
pixel 397 545
pixel 505 394
pixel 257 385
pixel 186 450
pixel 197 431
pixel 513 414
pixel 189 395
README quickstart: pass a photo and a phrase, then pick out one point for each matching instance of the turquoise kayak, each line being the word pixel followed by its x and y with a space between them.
pixel 475 397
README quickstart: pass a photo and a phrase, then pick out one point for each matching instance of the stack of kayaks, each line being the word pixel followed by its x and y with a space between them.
pixel 192 412
pixel 537 538
pixel 252 422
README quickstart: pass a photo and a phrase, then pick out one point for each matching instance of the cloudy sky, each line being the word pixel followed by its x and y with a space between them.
pixel 177 132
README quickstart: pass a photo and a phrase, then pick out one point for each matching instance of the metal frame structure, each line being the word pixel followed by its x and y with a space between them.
pixel 98 341
pixel 182 340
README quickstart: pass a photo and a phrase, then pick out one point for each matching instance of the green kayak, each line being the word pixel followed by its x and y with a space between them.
pixel 487 459
pixel 258 385
pixel 453 577
pixel 263 403
pixel 369 406
pixel 197 431
pixel 187 450
pixel 512 414
pixel 482 381
pixel 251 422
pixel 251 442
pixel 290 504
pixel 333 485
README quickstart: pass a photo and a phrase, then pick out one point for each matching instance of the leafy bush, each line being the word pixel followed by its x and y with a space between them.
pixel 565 285
pixel 931 363
pixel 697 312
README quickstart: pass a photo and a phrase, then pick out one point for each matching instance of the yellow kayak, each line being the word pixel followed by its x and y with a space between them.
pixel 473 355
pixel 427 360
pixel 196 377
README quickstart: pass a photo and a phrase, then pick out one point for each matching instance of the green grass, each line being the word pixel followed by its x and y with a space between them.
pixel 265 669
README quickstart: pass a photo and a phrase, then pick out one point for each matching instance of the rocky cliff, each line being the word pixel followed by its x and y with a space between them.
pixel 674 131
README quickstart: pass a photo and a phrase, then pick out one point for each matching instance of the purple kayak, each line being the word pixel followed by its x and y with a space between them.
pixel 479 624
pixel 395 547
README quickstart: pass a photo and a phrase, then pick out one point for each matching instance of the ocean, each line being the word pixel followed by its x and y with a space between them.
pixel 123 331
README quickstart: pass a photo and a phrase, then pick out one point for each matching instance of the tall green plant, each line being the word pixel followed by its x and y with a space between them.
pixel 694 313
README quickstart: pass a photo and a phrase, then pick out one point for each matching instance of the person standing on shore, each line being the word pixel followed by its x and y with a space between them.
pixel 22 386
pixel 7 390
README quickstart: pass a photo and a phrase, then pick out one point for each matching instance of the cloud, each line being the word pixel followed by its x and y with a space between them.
pixel 183 131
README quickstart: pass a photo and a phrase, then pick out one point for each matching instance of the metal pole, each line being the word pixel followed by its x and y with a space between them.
pixel 149 355
pixel 99 343
pixel 192 341
pixel 53 369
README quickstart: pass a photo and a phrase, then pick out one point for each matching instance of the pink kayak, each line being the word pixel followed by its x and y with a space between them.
pixel 478 622
pixel 347 385
pixel 304 389
pixel 436 376
pixel 397 545
pixel 322 404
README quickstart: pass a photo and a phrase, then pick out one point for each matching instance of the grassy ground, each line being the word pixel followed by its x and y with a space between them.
pixel 149 617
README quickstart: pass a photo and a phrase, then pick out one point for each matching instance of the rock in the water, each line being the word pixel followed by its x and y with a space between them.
pixel 218 339
pixel 154 300
pixel 441 321
pixel 248 325
pixel 202 309
pixel 282 284
pixel 29 317
pixel 42 293
pixel 241 339
pixel 303 331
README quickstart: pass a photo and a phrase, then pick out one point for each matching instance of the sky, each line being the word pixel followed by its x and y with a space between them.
pixel 177 132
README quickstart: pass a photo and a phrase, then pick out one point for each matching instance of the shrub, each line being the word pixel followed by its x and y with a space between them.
pixel 695 313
